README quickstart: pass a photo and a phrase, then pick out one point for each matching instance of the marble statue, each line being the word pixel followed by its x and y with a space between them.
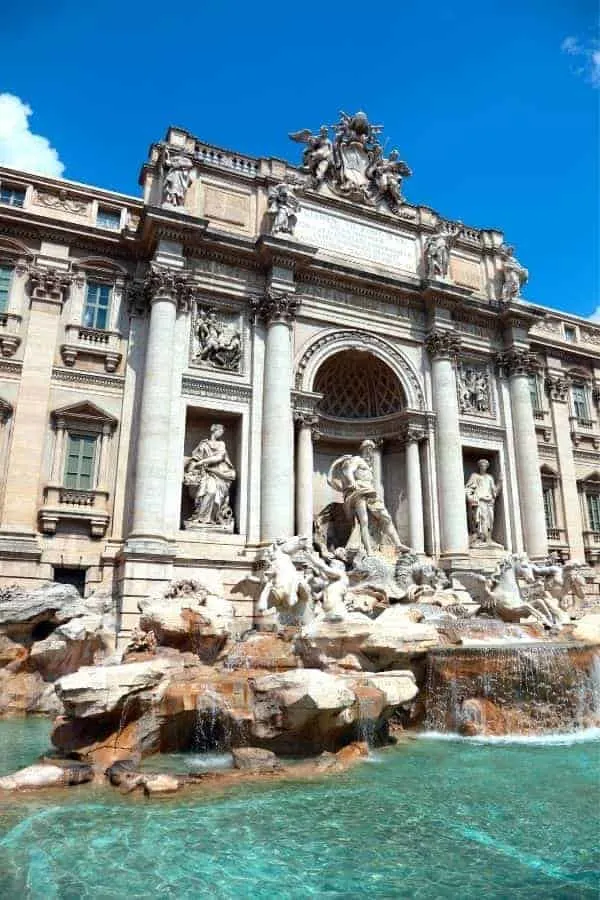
pixel 282 209
pixel 179 173
pixel 353 164
pixel 353 476
pixel 473 389
pixel 386 175
pixel 514 274
pixel 333 584
pixel 481 491
pixel 284 588
pixel 209 474
pixel 318 155
pixel 437 251
pixel 504 597
pixel 214 348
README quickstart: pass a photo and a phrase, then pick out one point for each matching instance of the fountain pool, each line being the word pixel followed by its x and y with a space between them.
pixel 431 818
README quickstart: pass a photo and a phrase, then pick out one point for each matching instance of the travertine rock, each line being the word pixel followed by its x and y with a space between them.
pixel 161 784
pixel 46 775
pixel 588 628
pixel 198 621
pixel 255 759
pixel 95 690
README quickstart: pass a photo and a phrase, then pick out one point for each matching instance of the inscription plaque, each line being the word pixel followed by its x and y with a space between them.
pixel 335 233
pixel 226 206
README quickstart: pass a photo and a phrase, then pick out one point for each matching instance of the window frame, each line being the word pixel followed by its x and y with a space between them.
pixel 535 394
pixel 74 434
pixel 12 190
pixel 110 211
pixel 580 386
pixel 100 284
pixel 592 507
pixel 5 296
pixel 549 493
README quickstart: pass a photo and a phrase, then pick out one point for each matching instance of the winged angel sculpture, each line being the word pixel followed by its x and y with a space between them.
pixel 352 163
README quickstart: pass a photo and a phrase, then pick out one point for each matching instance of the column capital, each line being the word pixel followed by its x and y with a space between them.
pixel 443 345
pixel 275 306
pixel 49 284
pixel 163 283
pixel 412 433
pixel 517 362
pixel 306 420
pixel 557 387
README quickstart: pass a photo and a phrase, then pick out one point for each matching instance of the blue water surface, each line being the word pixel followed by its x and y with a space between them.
pixel 431 818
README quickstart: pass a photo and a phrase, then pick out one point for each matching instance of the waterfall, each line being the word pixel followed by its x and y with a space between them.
pixel 530 689
pixel 212 726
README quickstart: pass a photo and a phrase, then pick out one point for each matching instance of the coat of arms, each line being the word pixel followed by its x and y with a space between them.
pixel 353 164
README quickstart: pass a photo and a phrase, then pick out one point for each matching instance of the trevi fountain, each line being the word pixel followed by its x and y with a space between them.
pixel 367 710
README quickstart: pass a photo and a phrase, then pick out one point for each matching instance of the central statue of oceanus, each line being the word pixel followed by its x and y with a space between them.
pixel 354 478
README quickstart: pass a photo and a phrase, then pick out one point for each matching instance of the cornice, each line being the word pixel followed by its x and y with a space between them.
pixel 88 379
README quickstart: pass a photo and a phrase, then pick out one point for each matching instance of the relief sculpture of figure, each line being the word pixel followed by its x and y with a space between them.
pixel 353 476
pixel 209 474
pixel 481 491
pixel 514 274
pixel 282 209
pixel 178 175
pixel 213 347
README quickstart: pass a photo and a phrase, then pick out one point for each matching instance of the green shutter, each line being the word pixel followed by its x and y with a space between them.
pixel 79 467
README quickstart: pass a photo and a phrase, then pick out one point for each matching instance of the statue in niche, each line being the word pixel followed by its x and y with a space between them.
pixel 179 173
pixel 215 349
pixel 481 491
pixel 317 158
pixel 514 274
pixel 473 389
pixel 353 476
pixel 437 251
pixel 209 474
pixel 282 209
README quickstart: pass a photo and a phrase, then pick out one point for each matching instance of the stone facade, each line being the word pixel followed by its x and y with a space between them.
pixel 303 308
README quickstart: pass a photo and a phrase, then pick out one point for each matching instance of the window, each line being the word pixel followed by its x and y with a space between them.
pixel 549 506
pixel 570 334
pixel 108 218
pixel 5 280
pixel 12 196
pixel 97 303
pixel 72 576
pixel 580 407
pixel 79 466
pixel 534 393
pixel 593 508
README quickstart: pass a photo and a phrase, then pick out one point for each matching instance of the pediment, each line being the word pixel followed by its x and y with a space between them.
pixel 84 412
pixel 591 478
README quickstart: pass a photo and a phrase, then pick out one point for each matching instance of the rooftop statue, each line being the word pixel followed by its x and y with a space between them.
pixel 437 251
pixel 178 174
pixel 282 209
pixel 352 163
pixel 514 274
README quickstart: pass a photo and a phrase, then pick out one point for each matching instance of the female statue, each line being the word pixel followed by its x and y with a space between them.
pixel 209 475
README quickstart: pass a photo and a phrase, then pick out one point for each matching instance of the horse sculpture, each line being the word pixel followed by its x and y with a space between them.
pixel 563 585
pixel 284 588
pixel 504 597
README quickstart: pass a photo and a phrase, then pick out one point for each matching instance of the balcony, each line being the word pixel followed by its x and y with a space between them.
pixel 81 340
pixel 67 504
pixel 585 430
pixel 10 326
pixel 591 543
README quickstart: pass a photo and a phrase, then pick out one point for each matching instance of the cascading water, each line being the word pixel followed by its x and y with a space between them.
pixel 212 729
pixel 531 689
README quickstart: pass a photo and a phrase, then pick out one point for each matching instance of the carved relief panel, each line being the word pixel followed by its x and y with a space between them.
pixel 217 339
pixel 475 389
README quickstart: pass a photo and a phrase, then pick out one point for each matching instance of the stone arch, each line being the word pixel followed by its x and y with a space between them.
pixel 14 251
pixel 334 341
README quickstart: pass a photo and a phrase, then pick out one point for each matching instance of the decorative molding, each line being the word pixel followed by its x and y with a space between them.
pixel 49 284
pixel 517 362
pixel 275 306
pixel 487 432
pixel 443 345
pixel 558 388
pixel 162 283
pixel 337 340
pixel 11 367
pixel 217 390
pixel 62 201
pixel 217 338
pixel 474 387
pixel 89 379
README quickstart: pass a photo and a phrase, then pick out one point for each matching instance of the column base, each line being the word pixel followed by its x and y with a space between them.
pixel 149 545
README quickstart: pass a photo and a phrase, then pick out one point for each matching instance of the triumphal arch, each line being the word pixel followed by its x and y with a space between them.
pixel 258 350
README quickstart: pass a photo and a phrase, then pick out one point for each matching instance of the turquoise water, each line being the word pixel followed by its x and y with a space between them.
pixel 429 819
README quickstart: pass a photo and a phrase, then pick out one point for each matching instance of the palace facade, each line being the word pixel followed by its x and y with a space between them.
pixel 305 308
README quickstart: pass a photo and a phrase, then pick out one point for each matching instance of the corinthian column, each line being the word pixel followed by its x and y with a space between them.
pixel 304 473
pixel 277 465
pixel 443 347
pixel 414 490
pixel 165 290
pixel 519 365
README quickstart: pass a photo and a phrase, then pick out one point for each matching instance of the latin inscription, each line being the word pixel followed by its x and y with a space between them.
pixel 332 232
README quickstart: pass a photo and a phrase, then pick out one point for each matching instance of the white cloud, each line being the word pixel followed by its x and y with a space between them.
pixel 589 56
pixel 19 147
pixel 595 316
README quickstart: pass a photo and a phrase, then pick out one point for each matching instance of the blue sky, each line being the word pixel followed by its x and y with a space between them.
pixel 493 104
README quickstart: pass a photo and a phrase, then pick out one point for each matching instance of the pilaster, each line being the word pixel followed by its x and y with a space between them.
pixel 558 386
